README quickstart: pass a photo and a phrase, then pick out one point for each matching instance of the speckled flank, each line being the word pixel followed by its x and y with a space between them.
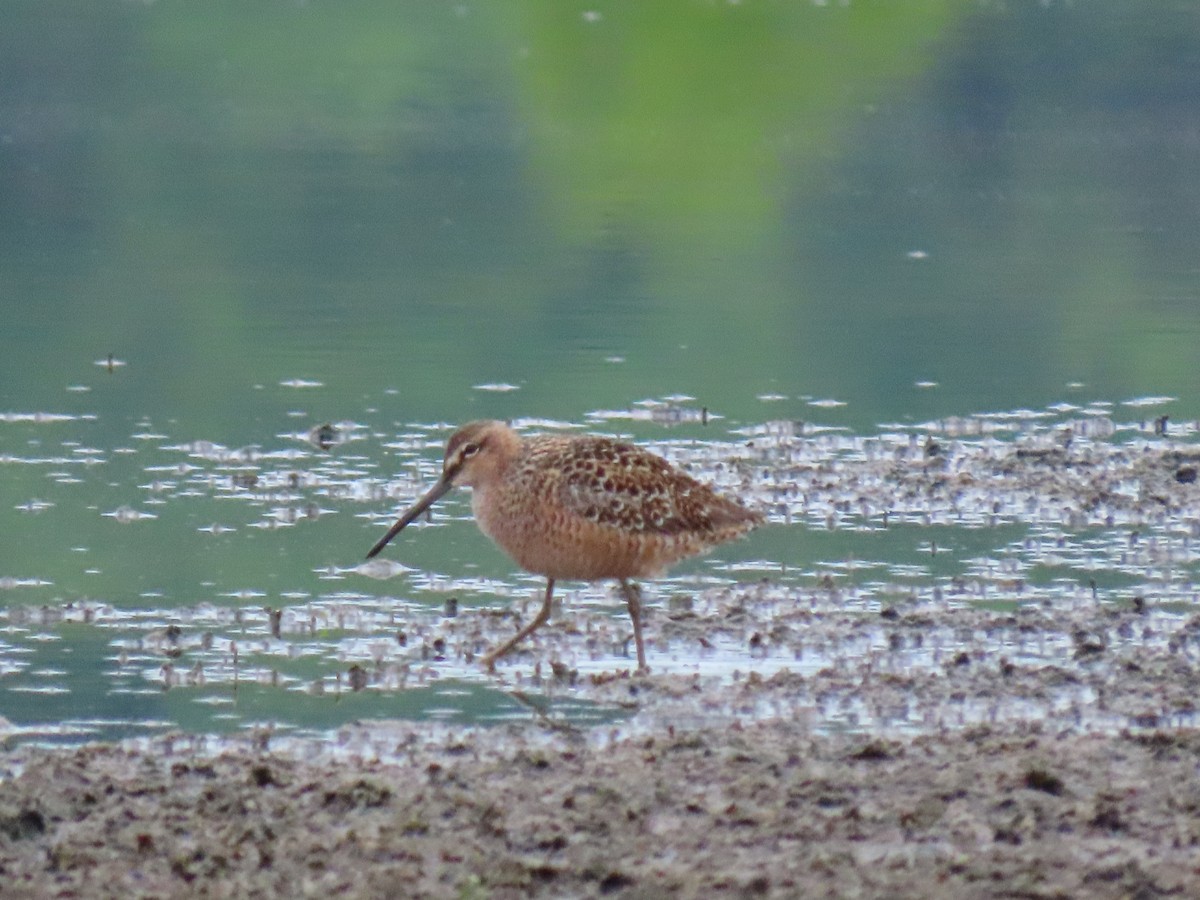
pixel 592 508
pixel 585 508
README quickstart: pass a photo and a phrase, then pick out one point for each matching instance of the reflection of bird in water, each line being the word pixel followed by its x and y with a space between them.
pixel 580 507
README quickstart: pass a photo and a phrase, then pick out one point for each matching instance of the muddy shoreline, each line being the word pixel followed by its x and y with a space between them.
pixel 936 751
pixel 1021 724
pixel 767 809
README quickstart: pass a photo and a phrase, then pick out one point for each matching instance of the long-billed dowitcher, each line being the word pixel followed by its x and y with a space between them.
pixel 580 507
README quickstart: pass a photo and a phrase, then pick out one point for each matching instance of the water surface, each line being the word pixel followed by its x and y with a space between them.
pixel 224 228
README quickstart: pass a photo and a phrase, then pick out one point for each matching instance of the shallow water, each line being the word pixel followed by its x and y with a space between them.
pixel 270 618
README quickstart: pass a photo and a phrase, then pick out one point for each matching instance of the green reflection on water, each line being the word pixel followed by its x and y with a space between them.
pixel 427 197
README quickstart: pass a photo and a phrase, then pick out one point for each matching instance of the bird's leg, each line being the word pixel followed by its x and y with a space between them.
pixel 543 616
pixel 633 599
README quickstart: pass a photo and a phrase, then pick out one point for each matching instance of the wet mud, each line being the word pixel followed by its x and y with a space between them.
pixel 767 809
pixel 1020 724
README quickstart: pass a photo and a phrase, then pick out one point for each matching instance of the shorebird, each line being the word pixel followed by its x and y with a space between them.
pixel 580 507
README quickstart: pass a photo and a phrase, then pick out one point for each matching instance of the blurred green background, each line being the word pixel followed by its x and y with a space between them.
pixel 735 198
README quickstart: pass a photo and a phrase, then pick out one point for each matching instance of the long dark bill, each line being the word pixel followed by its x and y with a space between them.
pixel 415 510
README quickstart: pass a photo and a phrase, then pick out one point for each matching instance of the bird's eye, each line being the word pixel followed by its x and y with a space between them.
pixel 469 450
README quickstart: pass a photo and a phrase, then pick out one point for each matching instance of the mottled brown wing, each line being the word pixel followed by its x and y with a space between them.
pixel 625 487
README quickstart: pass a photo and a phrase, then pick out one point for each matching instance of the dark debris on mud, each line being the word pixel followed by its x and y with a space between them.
pixel 766 810
pixel 1005 735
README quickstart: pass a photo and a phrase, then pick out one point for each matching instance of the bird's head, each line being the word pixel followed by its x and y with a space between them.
pixel 476 455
